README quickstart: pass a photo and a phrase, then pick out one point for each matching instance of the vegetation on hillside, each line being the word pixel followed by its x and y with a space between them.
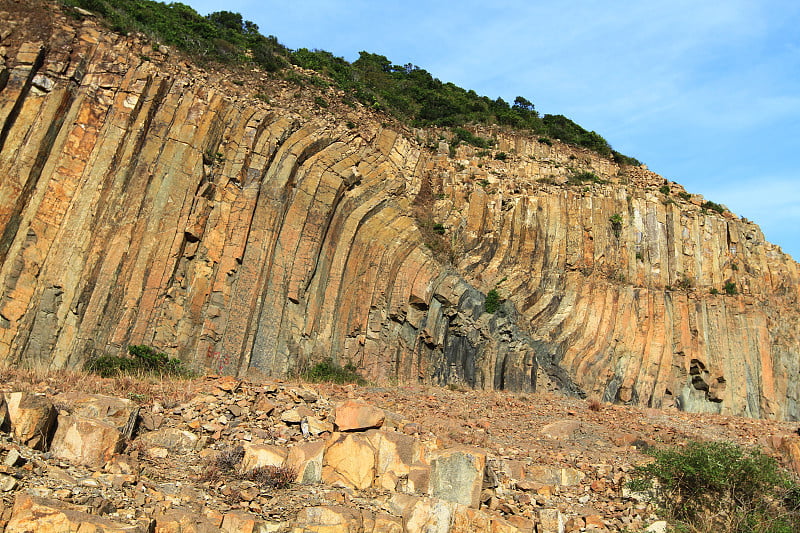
pixel 407 92
pixel 721 487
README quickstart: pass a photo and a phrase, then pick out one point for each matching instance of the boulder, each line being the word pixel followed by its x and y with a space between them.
pixel 306 459
pixel 467 520
pixel 328 519
pixel 349 461
pixel 32 418
pixel 554 475
pixel 457 475
pixel 172 439
pixel 258 455
pixel 561 429
pixel 182 521
pixel 5 421
pixel 85 441
pixel 117 412
pixel 551 521
pixel 354 415
pixel 430 515
pixel 44 515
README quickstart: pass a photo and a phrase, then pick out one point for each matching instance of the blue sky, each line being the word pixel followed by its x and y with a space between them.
pixel 705 93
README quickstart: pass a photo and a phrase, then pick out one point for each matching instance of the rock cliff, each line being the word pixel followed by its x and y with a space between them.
pixel 226 218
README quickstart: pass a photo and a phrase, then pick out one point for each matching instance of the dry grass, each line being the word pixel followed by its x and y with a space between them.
pixel 168 391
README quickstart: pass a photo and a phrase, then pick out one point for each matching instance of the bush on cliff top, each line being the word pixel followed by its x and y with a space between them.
pixel 721 487
pixel 407 92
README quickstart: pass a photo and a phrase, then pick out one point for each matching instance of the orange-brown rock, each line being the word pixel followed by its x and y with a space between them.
pixel 50 516
pixel 356 415
pixel 304 239
pixel 32 418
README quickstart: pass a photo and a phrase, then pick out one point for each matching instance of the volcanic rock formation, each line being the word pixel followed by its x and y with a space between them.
pixel 145 200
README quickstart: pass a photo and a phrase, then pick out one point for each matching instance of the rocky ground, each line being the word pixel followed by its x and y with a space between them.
pixel 143 455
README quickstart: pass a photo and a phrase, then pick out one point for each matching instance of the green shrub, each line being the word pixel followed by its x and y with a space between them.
pixel 664 189
pixel 685 195
pixel 578 178
pixel 501 156
pixel 439 228
pixel 409 93
pixel 329 371
pixel 616 223
pixel 730 288
pixel 714 291
pixel 143 360
pixel 719 486
pixel 545 140
pixel 320 101
pixel 713 206
pixel 492 302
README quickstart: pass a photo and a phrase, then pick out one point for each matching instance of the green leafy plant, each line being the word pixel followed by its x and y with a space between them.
pixel 616 224
pixel 664 189
pixel 730 288
pixel 492 302
pixel 713 206
pixel 720 487
pixel 143 360
pixel 685 195
pixel 714 291
pixel 329 371
pixel 501 156
pixel 578 178
pixel 439 228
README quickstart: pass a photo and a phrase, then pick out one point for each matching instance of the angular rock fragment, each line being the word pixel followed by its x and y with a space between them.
pixel 457 475
pixel 356 415
pixel 85 441
pixel 32 418
pixel 44 515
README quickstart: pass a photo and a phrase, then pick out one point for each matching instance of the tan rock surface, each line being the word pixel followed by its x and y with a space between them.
pixel 301 241
pixel 49 516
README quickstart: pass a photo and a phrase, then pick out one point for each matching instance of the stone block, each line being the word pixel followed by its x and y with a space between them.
pixel 181 521
pixel 457 475
pixel 172 439
pixel 356 415
pixel 430 515
pixel 32 418
pixel 85 441
pixel 551 521
pixel 349 461
pixel 306 459
pixel 118 412
pixel 43 515
pixel 258 455
pixel 555 475
pixel 561 429
pixel 328 519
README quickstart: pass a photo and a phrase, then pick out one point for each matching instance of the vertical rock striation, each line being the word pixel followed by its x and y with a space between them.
pixel 147 201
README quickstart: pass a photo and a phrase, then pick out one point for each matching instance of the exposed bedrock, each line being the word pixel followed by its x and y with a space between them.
pixel 149 202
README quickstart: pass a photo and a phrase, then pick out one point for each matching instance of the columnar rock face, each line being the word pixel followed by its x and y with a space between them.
pixel 146 201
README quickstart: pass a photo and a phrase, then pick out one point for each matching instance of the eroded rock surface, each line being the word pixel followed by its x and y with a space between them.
pixel 144 200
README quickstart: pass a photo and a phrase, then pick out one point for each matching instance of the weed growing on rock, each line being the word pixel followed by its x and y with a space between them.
pixel 730 288
pixel 276 477
pixel 328 371
pixel 721 487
